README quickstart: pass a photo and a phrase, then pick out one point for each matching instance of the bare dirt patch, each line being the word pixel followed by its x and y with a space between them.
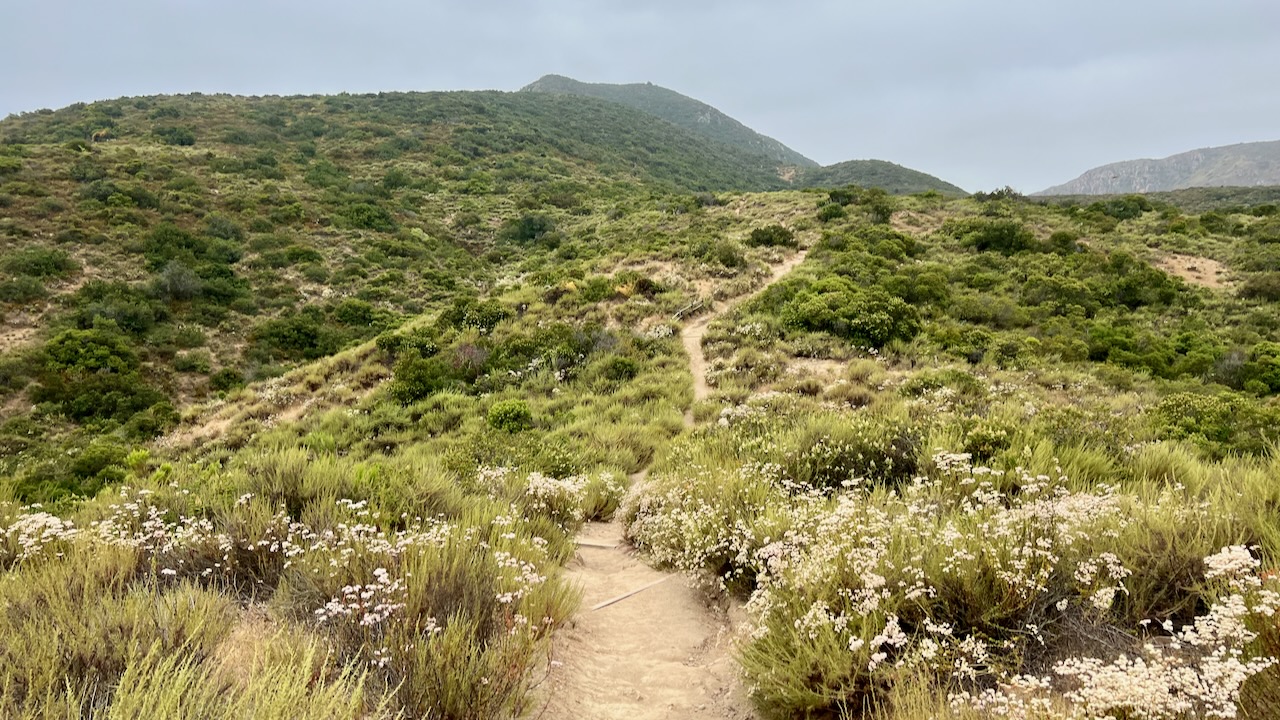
pixel 818 368
pixel 1201 271
pixel 910 221
pixel 13 338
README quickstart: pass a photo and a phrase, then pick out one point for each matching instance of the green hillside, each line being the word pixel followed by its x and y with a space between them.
pixel 888 176
pixel 1195 200
pixel 690 114
pixel 306 405
pixel 700 118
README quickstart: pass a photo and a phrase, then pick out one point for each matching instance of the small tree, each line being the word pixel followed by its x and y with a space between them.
pixel 879 205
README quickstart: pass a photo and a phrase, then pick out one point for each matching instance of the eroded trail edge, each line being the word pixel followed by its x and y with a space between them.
pixel 665 651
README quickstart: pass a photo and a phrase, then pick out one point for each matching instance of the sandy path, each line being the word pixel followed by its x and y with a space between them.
pixel 665 652
pixel 662 653
pixel 692 333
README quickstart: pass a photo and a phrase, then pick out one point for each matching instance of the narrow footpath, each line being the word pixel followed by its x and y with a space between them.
pixel 646 645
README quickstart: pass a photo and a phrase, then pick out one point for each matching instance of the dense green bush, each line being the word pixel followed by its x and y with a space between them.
pixel 418 378
pixel 772 236
pixel 37 262
pixel 21 290
pixel 725 253
pixel 867 318
pixel 1263 286
pixel 831 211
pixel 369 216
pixel 226 379
pixel 92 376
pixel 991 234
pixel 305 336
pixel 471 313
pixel 527 229
pixel 510 415
pixel 176 135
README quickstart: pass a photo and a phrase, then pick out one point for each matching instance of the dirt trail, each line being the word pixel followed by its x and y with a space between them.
pixel 663 652
pixel 692 333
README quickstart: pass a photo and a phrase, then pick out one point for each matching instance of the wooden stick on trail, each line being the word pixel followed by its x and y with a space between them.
pixel 624 596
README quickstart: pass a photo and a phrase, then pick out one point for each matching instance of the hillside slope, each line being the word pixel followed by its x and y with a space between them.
pixel 891 177
pixel 1242 165
pixel 686 112
pixel 699 117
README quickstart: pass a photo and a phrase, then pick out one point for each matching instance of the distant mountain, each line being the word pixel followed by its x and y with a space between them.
pixel 893 178
pixel 677 109
pixel 1242 165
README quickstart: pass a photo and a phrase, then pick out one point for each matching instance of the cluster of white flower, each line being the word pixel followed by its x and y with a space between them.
pixel 559 498
pixel 752 330
pixel 370 605
pixel 839 568
pixel 660 331
pixel 31 533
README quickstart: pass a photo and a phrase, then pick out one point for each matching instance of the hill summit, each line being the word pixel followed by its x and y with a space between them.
pixel 693 115
pixel 706 121
pixel 1240 165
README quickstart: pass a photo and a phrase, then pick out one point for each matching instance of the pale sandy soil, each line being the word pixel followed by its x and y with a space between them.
pixel 664 652
pixel 1201 271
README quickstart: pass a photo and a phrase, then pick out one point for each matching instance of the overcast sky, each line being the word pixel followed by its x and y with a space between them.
pixel 1027 93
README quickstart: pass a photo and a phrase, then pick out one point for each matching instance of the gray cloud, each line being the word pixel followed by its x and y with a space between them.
pixel 982 93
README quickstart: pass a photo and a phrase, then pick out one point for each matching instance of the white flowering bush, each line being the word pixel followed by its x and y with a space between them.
pixel 1017 593
pixel 437 616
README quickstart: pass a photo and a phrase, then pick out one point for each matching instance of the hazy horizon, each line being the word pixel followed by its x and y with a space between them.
pixel 984 95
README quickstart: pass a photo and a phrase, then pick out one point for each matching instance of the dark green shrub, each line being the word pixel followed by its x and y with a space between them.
pixel 223 227
pixel 510 415
pixel 21 290
pixel 369 216
pixel 867 318
pixel 988 439
pixel 39 262
pixel 772 236
pixel 527 229
pixel 1064 242
pixel 878 204
pixel 1126 207
pixel 91 375
pixel 417 378
pixel 99 464
pixel 830 211
pixel 471 313
pixel 844 196
pixel 721 252
pixel 177 282
pixel 620 368
pixel 301 337
pixel 226 379
pixel 176 135
pixel 87 170
pixel 1264 286
pixel 995 235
